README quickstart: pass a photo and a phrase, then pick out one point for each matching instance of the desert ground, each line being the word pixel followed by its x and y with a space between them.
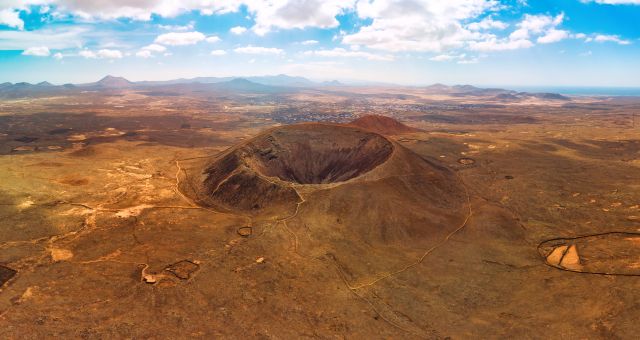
pixel 179 214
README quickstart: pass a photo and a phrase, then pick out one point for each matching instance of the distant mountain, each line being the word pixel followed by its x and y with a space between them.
pixel 26 90
pixel 245 85
pixel 332 83
pixel 257 84
pixel 113 82
pixel 277 80
pixel 283 80
pixel 495 93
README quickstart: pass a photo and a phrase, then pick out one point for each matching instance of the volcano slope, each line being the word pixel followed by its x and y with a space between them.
pixel 364 203
pixel 340 181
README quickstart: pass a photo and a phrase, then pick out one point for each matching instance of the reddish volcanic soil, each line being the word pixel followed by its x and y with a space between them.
pixel 383 125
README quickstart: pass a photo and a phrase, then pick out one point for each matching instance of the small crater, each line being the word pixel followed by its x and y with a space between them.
pixel 245 231
pixel 466 161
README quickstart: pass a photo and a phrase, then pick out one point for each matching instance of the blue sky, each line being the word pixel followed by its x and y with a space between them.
pixel 414 42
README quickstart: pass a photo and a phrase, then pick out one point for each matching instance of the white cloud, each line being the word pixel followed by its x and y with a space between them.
pixel 468 61
pixel 109 54
pixel 417 25
pixel 144 54
pixel 267 14
pixel 187 27
pixel 137 9
pixel 309 42
pixel 608 38
pixel 101 54
pixel 487 24
pixel 341 52
pixel 38 51
pixel 553 35
pixel 11 18
pixel 536 25
pixel 458 58
pixel 289 14
pixel 180 39
pixel 259 50
pixel 213 39
pixel 218 53
pixel 58 56
pixel 154 48
pixel 494 44
pixel 238 30
pixel 544 27
pixel 149 50
pixel 87 54
pixel 447 57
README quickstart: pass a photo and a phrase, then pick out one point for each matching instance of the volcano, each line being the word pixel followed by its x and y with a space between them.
pixel 324 173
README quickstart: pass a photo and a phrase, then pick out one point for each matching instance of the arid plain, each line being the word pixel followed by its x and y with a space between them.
pixel 184 211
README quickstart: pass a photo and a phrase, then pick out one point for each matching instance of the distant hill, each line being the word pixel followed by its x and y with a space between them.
pixel 382 125
pixel 498 94
pixel 243 85
pixel 113 82
pixel 332 83
pixel 277 80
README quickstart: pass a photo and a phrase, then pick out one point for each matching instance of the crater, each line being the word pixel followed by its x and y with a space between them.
pixel 259 174
pixel 317 154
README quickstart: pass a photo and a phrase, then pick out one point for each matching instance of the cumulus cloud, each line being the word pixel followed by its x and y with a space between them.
pixel 458 58
pixel 288 14
pixel 144 54
pixel 536 25
pixel 10 17
pixel 58 56
pixel 213 39
pixel 38 51
pixel 495 44
pixel 154 48
pixel 259 50
pixel 187 27
pixel 447 57
pixel 180 38
pixel 101 54
pixel 553 35
pixel 418 25
pixel 109 54
pixel 487 24
pixel 238 30
pixel 150 50
pixel 87 54
pixel 309 42
pixel 341 52
pixel 267 14
pixel 218 53
pixel 137 10
pixel 608 38
pixel 544 27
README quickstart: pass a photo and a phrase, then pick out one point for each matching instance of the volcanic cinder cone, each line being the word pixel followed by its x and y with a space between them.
pixel 335 176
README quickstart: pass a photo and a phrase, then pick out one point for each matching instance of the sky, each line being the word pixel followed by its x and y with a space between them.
pixel 409 42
